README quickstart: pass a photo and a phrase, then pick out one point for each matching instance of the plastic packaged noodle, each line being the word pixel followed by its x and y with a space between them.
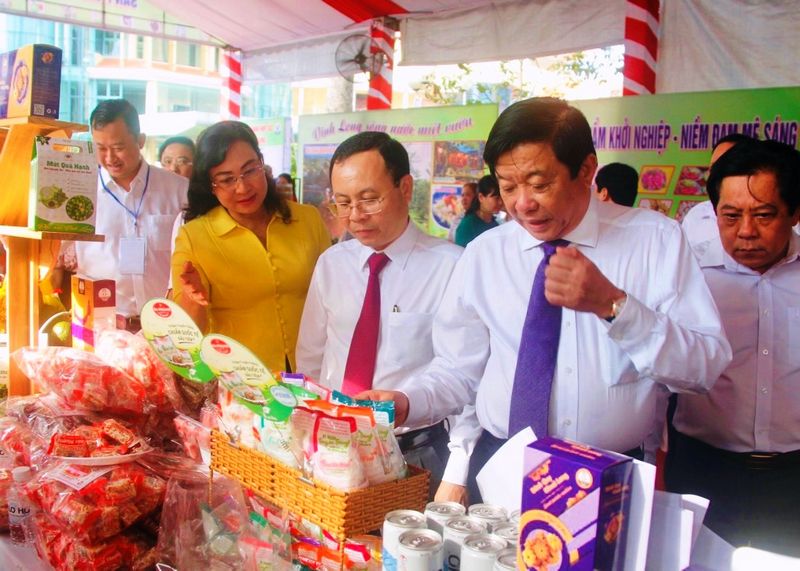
pixel 371 451
pixel 276 440
pixel 237 419
pixel 83 381
pixel 335 460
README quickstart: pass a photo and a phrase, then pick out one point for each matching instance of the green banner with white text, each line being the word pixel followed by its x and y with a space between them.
pixel 668 138
pixel 445 147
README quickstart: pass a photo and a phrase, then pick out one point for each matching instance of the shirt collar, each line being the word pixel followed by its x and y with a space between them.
pixel 398 251
pixel 221 222
pixel 715 256
pixel 137 184
pixel 586 233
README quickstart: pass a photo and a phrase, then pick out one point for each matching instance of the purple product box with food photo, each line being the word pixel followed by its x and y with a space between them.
pixel 575 507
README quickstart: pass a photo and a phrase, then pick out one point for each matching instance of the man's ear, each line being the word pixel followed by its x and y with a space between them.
pixel 602 194
pixel 141 139
pixel 407 187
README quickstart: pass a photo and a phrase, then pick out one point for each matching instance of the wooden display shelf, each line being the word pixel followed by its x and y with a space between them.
pixel 30 254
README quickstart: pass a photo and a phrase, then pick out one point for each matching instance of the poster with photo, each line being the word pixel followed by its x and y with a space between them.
pixel 420 156
pixel 657 204
pixel 445 205
pixel 458 159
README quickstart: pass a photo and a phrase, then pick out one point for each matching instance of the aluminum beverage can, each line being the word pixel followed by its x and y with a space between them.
pixel 508 531
pixel 490 514
pixel 456 530
pixel 438 513
pixel 396 523
pixel 506 560
pixel 480 551
pixel 420 550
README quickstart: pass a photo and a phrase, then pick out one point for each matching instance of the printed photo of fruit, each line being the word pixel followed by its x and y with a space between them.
pixel 79 208
pixel 692 181
pixel 655 178
pixel 52 196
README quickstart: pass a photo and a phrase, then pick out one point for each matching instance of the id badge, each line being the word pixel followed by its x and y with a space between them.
pixel 132 251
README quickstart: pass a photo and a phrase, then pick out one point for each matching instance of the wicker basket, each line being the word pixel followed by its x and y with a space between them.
pixel 343 514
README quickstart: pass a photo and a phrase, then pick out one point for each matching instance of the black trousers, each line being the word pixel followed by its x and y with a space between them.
pixel 427 448
pixel 485 448
pixel 755 500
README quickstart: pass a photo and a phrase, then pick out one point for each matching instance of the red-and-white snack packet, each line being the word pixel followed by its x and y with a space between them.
pixel 83 380
pixel 95 504
pixel 21 445
pixel 132 550
pixel 133 355
pixel 109 437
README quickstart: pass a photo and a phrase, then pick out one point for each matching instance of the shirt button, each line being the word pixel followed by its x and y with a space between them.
pixel 568 370
pixel 763 390
pixel 765 351
pixel 567 422
pixel 766 312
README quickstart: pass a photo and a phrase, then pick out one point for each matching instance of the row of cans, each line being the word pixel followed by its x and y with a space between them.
pixel 447 537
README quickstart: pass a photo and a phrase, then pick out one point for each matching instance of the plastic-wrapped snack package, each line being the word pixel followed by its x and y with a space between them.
pixel 397 463
pixel 6 482
pixel 335 460
pixel 196 395
pixel 133 355
pixel 21 445
pixel 95 504
pixel 272 524
pixel 82 380
pixel 374 457
pixel 202 530
pixel 275 439
pixel 131 550
pixel 109 437
pixel 45 415
pixel 195 437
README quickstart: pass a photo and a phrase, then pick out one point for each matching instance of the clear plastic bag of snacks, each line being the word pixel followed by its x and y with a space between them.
pixel 82 380
pixel 96 503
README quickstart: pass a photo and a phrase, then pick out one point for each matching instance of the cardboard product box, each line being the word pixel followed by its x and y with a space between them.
pixel 30 82
pixel 94 309
pixel 575 506
pixel 63 189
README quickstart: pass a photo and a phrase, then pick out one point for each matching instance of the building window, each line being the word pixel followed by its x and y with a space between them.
pixel 106 43
pixel 160 50
pixel 133 91
pixel 76 102
pixel 75 45
pixel 187 54
pixel 139 47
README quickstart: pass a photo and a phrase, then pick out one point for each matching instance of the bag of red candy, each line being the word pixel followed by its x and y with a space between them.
pixel 133 355
pixel 107 438
pixel 83 380
pixel 96 503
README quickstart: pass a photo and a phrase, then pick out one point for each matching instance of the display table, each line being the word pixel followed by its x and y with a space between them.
pixel 13 558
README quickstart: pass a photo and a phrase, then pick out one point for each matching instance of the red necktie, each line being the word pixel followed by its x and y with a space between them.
pixel 360 367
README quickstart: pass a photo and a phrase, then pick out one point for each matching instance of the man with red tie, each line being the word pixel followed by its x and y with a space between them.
pixel 367 319
pixel 573 313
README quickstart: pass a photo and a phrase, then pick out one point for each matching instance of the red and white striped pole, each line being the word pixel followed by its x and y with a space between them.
pixel 641 47
pixel 231 84
pixel 380 83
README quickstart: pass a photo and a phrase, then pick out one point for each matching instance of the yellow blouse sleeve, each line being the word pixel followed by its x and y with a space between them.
pixel 184 252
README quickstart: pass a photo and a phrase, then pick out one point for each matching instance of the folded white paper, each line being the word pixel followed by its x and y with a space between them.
pixel 500 479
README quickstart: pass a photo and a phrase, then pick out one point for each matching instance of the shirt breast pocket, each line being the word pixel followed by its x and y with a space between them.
pixel 158 230
pixel 409 338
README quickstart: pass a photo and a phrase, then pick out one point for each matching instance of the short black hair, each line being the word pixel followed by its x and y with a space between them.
pixel 751 157
pixel 487 186
pixel 110 110
pixel 212 147
pixel 733 138
pixel 393 152
pixel 621 181
pixel 542 120
pixel 177 140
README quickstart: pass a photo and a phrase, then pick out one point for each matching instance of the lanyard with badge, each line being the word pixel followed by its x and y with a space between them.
pixel 132 249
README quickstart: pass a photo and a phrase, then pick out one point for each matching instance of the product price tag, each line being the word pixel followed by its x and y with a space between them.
pixel 75 476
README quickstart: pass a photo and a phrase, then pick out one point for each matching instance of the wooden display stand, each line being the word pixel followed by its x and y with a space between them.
pixel 30 254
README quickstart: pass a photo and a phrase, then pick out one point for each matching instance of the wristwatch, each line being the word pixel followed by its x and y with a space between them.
pixel 616 308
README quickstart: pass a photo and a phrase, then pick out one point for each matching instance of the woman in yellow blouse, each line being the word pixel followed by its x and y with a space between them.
pixel 244 258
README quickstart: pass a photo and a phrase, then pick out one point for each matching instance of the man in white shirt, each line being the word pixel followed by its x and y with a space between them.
pixel 739 445
pixel 136 206
pixel 700 223
pixel 371 192
pixel 633 307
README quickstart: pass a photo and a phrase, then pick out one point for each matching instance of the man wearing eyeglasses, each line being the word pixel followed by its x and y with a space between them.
pixel 368 315
pixel 136 206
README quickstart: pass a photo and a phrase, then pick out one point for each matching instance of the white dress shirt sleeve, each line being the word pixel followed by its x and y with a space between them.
pixel 670 344
pixel 464 434
pixel 313 335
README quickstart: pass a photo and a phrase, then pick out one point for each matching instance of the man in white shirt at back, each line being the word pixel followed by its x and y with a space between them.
pixel 349 343
pixel 136 206
pixel 575 347
pixel 739 445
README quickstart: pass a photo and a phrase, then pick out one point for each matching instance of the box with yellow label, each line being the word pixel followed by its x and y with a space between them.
pixel 30 82
pixel 94 308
